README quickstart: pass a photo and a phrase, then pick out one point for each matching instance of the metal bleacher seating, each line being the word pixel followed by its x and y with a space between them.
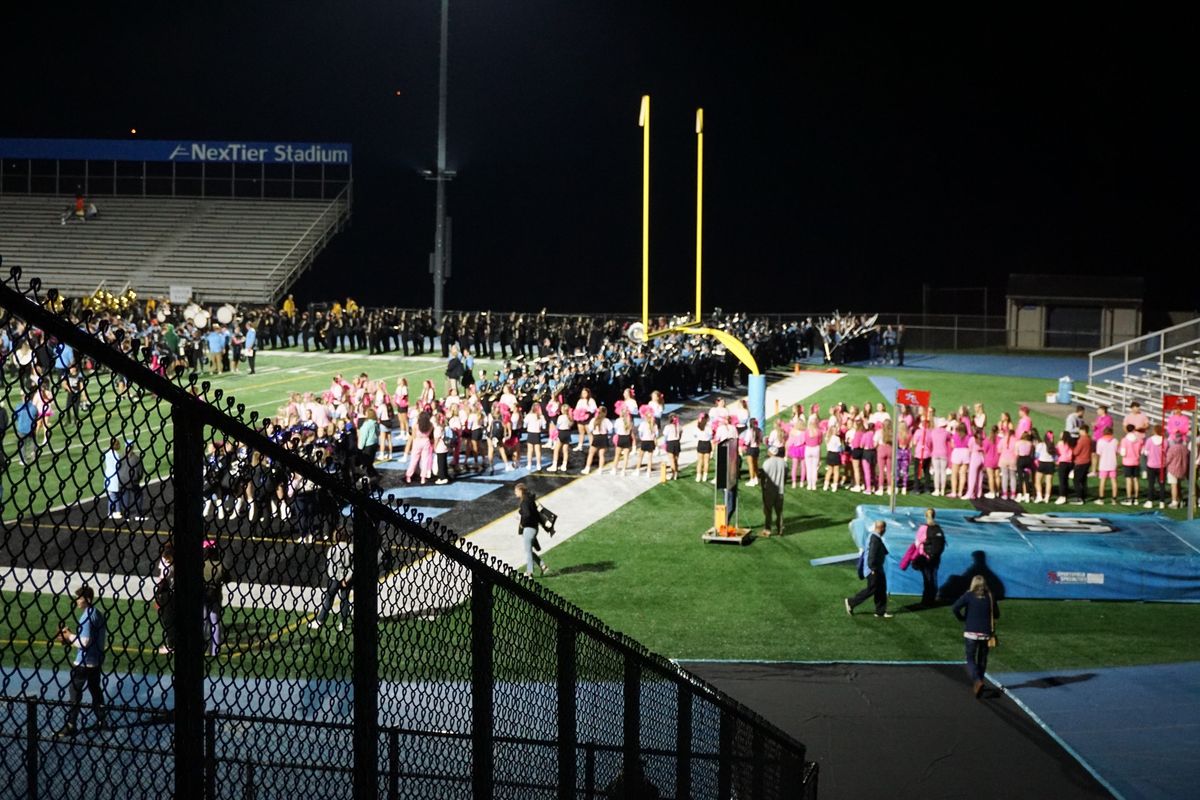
pixel 1145 369
pixel 227 250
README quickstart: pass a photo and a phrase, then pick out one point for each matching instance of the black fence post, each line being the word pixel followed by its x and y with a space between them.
pixel 589 770
pixel 188 537
pixel 366 649
pixel 210 757
pixel 567 719
pixel 683 742
pixel 31 749
pixel 759 763
pixel 633 718
pixel 393 782
pixel 482 680
pixel 725 755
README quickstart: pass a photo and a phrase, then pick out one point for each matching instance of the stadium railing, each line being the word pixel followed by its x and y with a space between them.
pixel 456 677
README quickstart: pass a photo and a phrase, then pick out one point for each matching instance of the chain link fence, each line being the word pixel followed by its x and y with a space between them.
pixel 200 605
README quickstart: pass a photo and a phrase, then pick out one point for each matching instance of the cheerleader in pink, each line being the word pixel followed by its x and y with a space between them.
pixel 623 440
pixel 1006 443
pixel 601 433
pixel 939 457
pixel 795 449
pixel 866 439
pixel 883 455
pixel 960 459
pixel 919 445
pixel 975 466
pixel 812 452
pixel 991 462
pixel 422 449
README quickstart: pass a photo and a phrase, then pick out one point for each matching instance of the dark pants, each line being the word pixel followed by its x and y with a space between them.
pixel 89 678
pixel 1064 479
pixel 772 502
pixel 876 587
pixel 250 361
pixel 977 656
pixel 334 589
pixel 1155 490
pixel 929 584
pixel 1081 473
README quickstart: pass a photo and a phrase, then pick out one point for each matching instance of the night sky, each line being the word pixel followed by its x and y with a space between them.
pixel 848 159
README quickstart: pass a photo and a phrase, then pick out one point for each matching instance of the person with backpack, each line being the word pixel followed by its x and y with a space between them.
pixel 931 543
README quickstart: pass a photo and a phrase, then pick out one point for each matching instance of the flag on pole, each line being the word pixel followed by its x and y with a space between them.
pixel 912 397
pixel 1178 402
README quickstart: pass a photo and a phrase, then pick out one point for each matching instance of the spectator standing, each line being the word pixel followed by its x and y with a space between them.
pixel 112 478
pixel 528 522
pixel 1081 456
pixel 130 476
pixel 931 543
pixel 977 610
pixel 339 567
pixel 772 478
pixel 89 643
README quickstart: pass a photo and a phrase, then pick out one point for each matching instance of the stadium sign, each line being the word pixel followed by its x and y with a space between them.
pixel 182 151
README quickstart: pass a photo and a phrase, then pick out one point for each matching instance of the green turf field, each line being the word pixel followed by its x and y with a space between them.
pixel 644 571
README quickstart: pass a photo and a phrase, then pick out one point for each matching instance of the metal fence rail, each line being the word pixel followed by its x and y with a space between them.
pixel 207 539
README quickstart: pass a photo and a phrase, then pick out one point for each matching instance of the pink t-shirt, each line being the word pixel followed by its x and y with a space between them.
pixel 1065 453
pixel 991 456
pixel 960 441
pixel 1106 451
pixel 939 440
pixel 1103 422
pixel 1139 421
pixel 1007 445
pixel 1131 449
pixel 1024 424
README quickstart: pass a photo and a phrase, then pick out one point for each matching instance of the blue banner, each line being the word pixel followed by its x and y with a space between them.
pixel 1086 556
pixel 183 151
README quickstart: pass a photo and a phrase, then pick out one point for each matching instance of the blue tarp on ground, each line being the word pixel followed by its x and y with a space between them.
pixel 1138 727
pixel 1065 555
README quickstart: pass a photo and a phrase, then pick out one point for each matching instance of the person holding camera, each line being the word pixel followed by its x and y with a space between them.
pixel 529 520
pixel 89 644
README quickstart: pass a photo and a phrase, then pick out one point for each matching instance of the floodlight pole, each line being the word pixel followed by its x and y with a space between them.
pixel 699 200
pixel 439 236
pixel 644 122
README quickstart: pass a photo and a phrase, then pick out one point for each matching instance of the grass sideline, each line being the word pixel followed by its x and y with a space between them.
pixel 644 571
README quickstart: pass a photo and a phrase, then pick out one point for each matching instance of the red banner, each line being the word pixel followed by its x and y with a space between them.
pixel 912 397
pixel 1178 402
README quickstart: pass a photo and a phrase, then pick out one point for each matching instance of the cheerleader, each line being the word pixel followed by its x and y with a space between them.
pixel 647 437
pixel 750 443
pixel 387 420
pixel 812 451
pixel 974 488
pixel 474 427
pixel 883 453
pixel 623 432
pixel 600 430
pixel 535 430
pixel 991 462
pixel 441 448
pixel 420 449
pixel 1043 481
pixel 795 447
pixel 703 447
pixel 561 453
pixel 400 401
pixel 960 459
pixel 672 432
pixel 833 458
pixel 585 410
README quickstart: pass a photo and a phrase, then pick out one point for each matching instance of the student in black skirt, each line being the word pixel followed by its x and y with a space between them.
pixel 672 432
pixel 647 436
pixel 561 454
pixel 623 430
pixel 601 432
pixel 703 447
pixel 535 432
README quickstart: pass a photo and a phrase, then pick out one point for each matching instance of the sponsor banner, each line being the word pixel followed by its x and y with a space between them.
pixel 182 151
pixel 1085 556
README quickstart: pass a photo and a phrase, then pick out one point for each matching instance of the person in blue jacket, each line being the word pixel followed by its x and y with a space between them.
pixel 977 610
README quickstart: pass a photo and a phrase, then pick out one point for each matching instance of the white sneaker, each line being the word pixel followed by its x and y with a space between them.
pixel 585 470
pixel 1061 501
pixel 341 627
pixel 697 478
pixel 1161 504
pixel 314 624
pixel 117 516
pixel 551 468
pixel 1148 504
pixel 990 496
pixel 1099 502
pixel 904 491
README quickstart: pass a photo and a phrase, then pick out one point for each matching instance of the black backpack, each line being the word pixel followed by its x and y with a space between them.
pixel 935 541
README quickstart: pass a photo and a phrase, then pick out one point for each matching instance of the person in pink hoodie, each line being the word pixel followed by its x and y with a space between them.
pixel 1104 421
pixel 991 462
pixel 1155 450
pixel 1006 443
pixel 1131 455
pixel 1106 463
pixel 939 457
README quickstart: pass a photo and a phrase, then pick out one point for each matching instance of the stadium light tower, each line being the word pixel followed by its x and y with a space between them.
pixel 441 176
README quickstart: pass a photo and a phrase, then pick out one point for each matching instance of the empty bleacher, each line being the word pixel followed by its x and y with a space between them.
pixel 1145 369
pixel 227 250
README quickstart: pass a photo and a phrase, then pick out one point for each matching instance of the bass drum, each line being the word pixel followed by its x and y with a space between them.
pixel 200 320
pixel 225 314
pixel 190 311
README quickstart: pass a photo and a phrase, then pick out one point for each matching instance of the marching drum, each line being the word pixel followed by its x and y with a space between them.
pixel 225 314
pixel 200 319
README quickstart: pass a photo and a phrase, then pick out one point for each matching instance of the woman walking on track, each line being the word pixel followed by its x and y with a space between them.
pixel 529 528
pixel 977 610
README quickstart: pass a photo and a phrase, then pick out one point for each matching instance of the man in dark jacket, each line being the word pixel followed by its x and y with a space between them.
pixel 876 579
